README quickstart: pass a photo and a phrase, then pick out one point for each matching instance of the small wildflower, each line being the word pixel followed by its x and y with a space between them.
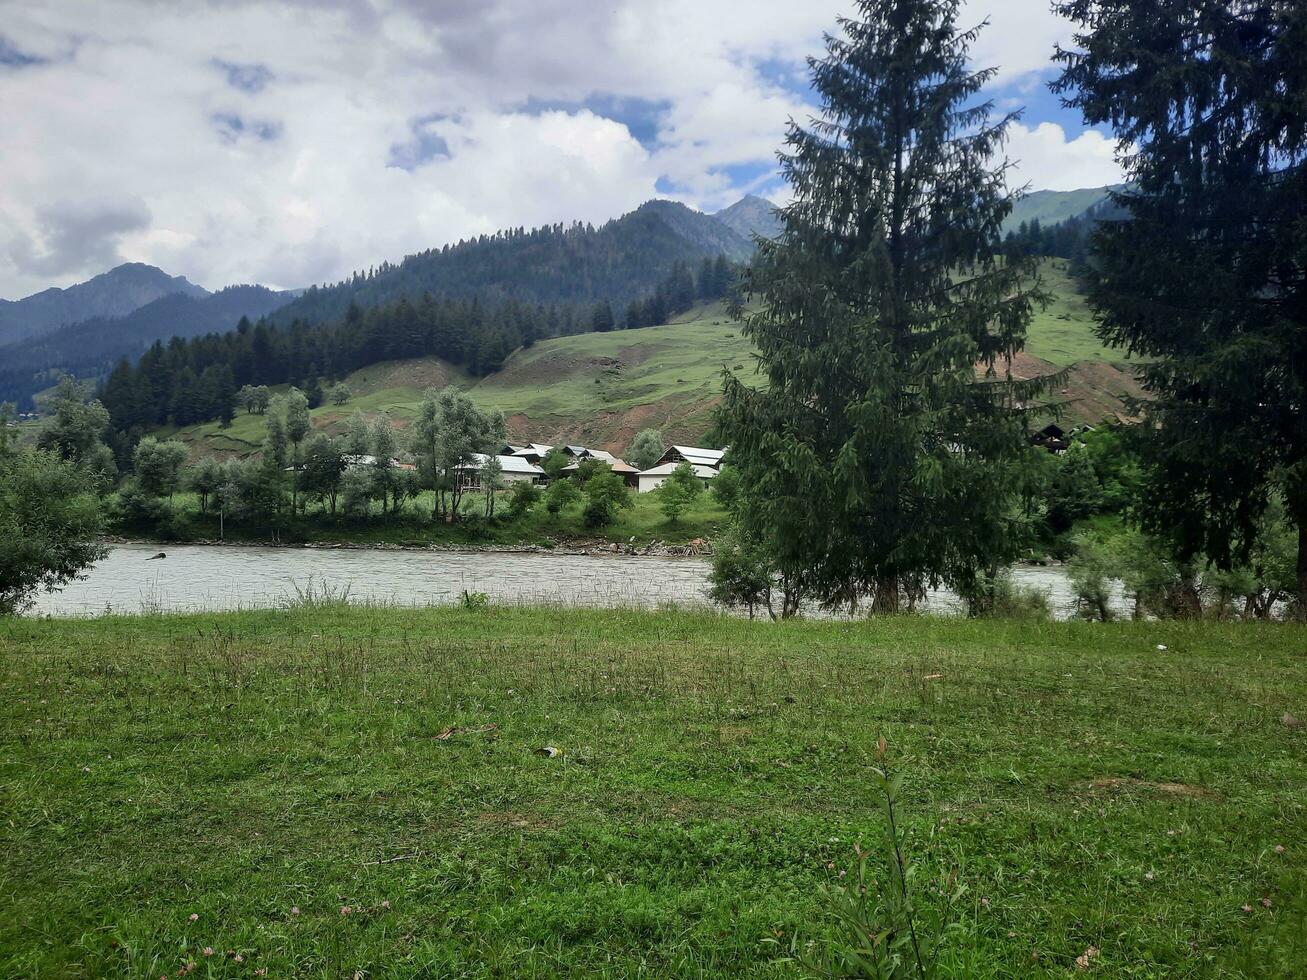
pixel 1170 833
pixel 238 958
pixel 345 910
pixel 1083 960
pixel 985 902
pixel 1148 876
pixel 1247 908
pixel 261 971
pixel 294 910
pixel 195 917
pixel 385 904
pixel 1279 848
pixel 208 950
pixel 1266 902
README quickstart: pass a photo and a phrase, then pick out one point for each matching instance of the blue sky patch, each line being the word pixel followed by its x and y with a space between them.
pixel 231 127
pixel 12 57
pixel 246 78
pixel 425 146
pixel 642 117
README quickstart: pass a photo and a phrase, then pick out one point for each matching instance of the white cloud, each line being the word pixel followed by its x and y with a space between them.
pixel 1044 157
pixel 244 141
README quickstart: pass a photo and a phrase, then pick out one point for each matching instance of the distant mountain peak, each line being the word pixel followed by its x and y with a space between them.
pixel 751 215
pixel 115 293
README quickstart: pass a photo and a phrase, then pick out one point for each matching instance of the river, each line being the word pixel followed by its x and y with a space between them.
pixel 213 577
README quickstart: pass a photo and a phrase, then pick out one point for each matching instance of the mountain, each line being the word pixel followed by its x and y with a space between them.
pixel 111 294
pixel 89 349
pixel 576 264
pixel 751 216
pixel 1052 207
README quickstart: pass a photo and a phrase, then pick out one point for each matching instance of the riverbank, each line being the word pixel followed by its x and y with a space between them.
pixel 642 529
pixel 341 790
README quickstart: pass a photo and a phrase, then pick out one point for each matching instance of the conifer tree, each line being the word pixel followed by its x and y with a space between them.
pixel 602 318
pixel 876 461
pixel 1206 273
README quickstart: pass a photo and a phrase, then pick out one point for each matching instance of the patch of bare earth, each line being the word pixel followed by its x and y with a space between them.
pixel 1091 391
pixel 680 419
pixel 1126 784
pixel 512 820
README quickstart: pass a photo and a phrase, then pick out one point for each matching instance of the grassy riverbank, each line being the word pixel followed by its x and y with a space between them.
pixel 644 523
pixel 235 781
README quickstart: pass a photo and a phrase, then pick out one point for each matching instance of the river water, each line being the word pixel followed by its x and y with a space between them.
pixel 212 577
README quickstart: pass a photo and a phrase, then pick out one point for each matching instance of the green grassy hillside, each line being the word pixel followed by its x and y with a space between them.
pixel 1051 207
pixel 602 388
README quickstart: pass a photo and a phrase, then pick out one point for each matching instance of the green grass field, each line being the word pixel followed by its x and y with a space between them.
pixel 638 526
pixel 1063 333
pixel 357 792
pixel 602 388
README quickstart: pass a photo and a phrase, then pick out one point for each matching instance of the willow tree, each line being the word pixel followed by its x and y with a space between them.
pixel 886 450
pixel 1206 275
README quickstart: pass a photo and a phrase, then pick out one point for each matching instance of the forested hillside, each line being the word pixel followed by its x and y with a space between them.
pixel 185 382
pixel 577 264
pixel 91 348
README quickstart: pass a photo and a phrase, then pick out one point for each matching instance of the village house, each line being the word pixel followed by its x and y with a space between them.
pixel 513 469
pixel 621 467
pixel 532 452
pixel 706 463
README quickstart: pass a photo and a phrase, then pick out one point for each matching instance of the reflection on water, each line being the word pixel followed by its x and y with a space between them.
pixel 204 577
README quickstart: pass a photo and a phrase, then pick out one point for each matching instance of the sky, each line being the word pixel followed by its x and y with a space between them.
pixel 292 143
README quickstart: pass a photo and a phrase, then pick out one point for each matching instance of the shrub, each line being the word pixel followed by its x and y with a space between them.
pixel 561 494
pixel 521 498
pixel 678 491
pixel 606 494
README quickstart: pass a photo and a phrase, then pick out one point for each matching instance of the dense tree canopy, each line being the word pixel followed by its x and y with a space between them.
pixel 1206 273
pixel 876 460
pixel 49 519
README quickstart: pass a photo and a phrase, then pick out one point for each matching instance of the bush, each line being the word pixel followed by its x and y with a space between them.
pixel 561 494
pixel 741 573
pixel 521 498
pixel 597 514
pixel 137 507
pixel 999 595
pixel 678 491
pixel 606 494
pixel 49 519
pixel 1090 572
pixel 726 486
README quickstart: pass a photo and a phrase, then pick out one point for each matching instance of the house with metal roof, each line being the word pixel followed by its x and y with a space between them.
pixel 513 469
pixel 619 466
pixel 692 454
pixel 532 452
pixel 655 477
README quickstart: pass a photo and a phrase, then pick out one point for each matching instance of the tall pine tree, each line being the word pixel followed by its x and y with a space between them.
pixel 1206 274
pixel 878 460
